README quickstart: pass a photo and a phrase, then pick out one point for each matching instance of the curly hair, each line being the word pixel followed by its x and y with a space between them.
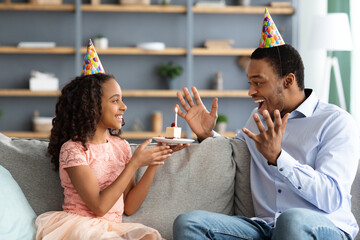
pixel 77 113
pixel 284 59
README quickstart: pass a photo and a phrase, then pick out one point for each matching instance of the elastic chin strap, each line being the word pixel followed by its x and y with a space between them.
pixel 281 72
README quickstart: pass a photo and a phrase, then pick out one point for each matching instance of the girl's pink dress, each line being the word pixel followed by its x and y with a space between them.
pixel 77 221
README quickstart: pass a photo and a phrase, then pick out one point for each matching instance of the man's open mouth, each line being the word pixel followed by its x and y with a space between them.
pixel 261 102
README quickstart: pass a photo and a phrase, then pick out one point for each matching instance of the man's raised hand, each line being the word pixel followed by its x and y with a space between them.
pixel 200 120
pixel 268 141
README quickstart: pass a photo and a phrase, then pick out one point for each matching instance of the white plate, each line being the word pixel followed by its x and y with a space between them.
pixel 173 141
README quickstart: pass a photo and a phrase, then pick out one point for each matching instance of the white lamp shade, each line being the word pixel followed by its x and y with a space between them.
pixel 331 32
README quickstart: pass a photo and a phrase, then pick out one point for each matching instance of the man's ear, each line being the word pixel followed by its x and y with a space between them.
pixel 289 80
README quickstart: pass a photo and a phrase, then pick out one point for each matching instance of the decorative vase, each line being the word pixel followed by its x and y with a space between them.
pixel 101 43
pixel 170 83
pixel 218 82
pixel 95 2
pixel 244 2
pixel 220 127
pixel 157 122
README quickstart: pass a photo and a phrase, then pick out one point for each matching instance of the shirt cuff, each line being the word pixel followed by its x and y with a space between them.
pixel 285 164
pixel 215 134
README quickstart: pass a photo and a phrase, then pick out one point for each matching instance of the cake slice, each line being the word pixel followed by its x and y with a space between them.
pixel 173 131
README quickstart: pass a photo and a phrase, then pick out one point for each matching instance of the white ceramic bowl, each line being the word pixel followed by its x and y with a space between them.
pixel 151 46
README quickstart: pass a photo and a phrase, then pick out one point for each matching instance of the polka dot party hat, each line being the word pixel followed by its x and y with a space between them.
pixel 92 64
pixel 270 36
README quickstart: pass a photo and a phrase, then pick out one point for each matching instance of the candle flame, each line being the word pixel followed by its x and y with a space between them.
pixel 176 110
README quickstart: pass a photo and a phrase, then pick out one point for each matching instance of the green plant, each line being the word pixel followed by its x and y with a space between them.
pixel 165 2
pixel 169 70
pixel 222 118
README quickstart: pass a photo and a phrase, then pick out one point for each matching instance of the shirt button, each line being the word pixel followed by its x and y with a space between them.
pixel 279 190
pixel 281 169
pixel 299 187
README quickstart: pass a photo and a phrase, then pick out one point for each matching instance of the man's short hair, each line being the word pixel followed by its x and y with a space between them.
pixel 284 59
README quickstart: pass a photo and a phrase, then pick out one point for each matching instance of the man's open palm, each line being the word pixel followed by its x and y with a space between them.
pixel 268 141
pixel 200 120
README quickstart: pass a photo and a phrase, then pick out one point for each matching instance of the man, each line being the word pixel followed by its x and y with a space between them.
pixel 304 157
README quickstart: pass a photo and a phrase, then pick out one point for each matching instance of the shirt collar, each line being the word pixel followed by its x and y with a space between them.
pixel 306 108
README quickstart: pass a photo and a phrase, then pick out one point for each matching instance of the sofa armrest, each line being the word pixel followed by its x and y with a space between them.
pixel 26 160
pixel 243 205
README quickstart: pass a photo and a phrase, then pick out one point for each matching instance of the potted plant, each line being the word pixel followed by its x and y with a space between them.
pixel 164 2
pixel 169 72
pixel 221 123
pixel 101 42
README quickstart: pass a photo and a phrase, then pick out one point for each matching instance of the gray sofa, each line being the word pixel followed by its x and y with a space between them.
pixel 213 176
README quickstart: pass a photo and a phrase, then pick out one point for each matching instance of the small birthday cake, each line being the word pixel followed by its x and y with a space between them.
pixel 173 131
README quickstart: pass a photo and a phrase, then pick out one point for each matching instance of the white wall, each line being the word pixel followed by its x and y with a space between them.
pixel 355 72
pixel 313 59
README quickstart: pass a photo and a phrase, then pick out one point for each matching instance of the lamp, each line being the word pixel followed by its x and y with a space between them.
pixel 332 33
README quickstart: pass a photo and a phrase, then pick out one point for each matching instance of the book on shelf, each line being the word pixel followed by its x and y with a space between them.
pixel 216 4
pixel 37 44
pixel 280 4
pixel 218 44
pixel 43 81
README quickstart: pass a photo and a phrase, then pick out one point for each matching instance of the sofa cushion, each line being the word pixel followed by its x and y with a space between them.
pixel 243 205
pixel 27 161
pixel 16 215
pixel 199 177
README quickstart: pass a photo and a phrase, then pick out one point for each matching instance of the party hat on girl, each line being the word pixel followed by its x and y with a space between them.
pixel 270 36
pixel 92 64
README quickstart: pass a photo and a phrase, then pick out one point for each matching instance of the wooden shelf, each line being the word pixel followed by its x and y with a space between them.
pixel 150 93
pixel 145 9
pixel 224 93
pixel 138 51
pixel 36 7
pixel 27 93
pixel 133 8
pixel 55 50
pixel 245 10
pixel 130 51
pixel 223 52
pixel 126 135
pixel 172 93
pixel 129 93
pixel 174 51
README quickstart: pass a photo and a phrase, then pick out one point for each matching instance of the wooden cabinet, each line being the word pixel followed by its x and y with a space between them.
pixel 181 47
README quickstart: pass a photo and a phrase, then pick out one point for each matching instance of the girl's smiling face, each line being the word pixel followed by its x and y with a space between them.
pixel 112 105
pixel 266 87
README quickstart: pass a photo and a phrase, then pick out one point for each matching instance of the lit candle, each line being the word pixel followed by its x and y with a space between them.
pixel 176 116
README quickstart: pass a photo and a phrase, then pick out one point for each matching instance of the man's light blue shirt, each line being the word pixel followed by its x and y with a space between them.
pixel 316 167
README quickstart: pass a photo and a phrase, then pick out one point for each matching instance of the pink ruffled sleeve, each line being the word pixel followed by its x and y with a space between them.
pixel 72 154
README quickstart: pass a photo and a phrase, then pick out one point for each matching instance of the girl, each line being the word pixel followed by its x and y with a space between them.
pixel 95 165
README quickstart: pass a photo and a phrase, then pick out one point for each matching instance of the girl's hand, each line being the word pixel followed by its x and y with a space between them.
pixel 150 156
pixel 179 147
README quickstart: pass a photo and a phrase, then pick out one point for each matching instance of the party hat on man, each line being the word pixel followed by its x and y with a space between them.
pixel 270 36
pixel 92 64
